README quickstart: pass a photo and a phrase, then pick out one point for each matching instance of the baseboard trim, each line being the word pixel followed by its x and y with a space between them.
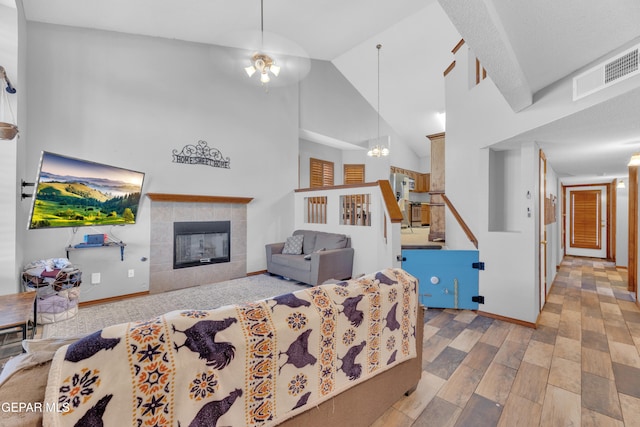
pixel 257 273
pixel 112 299
pixel 507 319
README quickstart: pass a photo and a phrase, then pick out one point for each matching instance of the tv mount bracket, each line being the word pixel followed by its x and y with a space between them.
pixel 23 184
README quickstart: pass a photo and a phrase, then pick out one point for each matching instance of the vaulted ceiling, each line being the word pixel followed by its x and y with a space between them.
pixel 525 46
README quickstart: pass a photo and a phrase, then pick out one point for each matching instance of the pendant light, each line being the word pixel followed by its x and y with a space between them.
pixel 379 149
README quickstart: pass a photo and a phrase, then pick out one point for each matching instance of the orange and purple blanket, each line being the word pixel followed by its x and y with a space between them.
pixel 253 364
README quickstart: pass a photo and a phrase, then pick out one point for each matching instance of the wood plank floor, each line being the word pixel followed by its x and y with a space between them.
pixel 580 367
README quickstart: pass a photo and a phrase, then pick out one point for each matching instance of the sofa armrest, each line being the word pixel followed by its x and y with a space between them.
pixel 272 249
pixel 332 264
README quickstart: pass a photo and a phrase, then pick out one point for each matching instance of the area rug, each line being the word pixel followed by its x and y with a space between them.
pixel 204 297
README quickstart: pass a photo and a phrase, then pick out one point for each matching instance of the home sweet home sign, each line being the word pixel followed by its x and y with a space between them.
pixel 201 154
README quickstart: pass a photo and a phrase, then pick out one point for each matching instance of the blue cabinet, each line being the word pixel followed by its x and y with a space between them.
pixel 447 278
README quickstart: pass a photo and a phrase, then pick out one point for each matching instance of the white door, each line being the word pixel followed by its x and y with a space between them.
pixel 586 209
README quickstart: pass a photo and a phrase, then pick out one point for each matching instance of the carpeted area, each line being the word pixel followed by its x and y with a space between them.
pixel 246 289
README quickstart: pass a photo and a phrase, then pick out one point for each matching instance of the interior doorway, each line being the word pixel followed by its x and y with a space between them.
pixel 586 221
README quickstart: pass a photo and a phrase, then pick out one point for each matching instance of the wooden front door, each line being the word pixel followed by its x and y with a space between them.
pixel 587 222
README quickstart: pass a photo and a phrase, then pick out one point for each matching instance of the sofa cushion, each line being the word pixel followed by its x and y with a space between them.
pixel 24 379
pixel 293 245
pixel 329 241
pixel 309 240
pixel 292 261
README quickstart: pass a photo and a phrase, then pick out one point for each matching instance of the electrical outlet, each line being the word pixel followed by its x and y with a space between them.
pixel 95 278
pixel 131 273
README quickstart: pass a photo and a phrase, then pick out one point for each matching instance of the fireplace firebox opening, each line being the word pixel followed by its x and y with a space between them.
pixel 201 243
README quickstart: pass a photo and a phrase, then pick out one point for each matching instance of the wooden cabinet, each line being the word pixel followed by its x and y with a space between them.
pixel 425 214
pixel 422 180
pixel 437 227
pixel 422 183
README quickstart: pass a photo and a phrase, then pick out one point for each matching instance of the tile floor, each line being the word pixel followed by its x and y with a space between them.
pixel 580 367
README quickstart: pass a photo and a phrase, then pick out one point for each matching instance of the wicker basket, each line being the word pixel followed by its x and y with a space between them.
pixel 8 131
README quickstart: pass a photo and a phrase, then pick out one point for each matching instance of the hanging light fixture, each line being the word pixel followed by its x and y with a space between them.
pixel 260 61
pixel 621 184
pixel 379 149
pixel 635 160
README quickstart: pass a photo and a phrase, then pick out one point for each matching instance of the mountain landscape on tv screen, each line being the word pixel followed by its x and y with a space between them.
pixel 68 201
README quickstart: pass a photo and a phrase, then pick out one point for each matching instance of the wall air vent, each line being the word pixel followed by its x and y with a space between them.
pixel 606 73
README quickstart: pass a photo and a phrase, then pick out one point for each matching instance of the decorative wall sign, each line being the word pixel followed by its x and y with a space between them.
pixel 201 154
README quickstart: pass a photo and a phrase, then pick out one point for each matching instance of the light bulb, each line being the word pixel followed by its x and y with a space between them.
pixel 264 78
pixel 385 151
pixel 370 153
pixel 250 70
pixel 275 70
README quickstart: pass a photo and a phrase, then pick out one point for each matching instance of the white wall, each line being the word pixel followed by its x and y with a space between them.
pixel 129 101
pixel 8 167
pixel 310 149
pixel 478 118
pixel 622 226
pixel 510 280
pixel 331 106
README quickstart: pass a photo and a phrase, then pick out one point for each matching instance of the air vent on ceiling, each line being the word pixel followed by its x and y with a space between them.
pixel 606 73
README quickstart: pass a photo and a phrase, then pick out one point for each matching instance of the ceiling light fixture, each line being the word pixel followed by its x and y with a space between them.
pixel 635 160
pixel 260 61
pixel 621 184
pixel 379 149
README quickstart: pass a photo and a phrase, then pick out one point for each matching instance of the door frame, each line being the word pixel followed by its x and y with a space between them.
pixel 632 267
pixel 609 209
pixel 542 254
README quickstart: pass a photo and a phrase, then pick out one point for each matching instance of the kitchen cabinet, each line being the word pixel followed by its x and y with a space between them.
pixel 422 183
pixel 425 214
pixel 421 179
pixel 416 214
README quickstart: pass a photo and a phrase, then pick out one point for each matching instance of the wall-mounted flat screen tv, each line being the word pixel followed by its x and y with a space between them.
pixel 70 192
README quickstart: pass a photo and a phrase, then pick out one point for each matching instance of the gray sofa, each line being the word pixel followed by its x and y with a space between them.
pixel 329 256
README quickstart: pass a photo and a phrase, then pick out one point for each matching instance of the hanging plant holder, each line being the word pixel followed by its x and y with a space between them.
pixel 8 131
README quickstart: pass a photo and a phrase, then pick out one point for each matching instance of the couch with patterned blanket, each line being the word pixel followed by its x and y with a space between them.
pixel 335 354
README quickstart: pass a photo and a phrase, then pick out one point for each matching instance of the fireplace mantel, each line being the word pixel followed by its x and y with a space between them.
pixel 186 198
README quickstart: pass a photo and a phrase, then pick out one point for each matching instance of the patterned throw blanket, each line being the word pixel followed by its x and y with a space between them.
pixel 253 364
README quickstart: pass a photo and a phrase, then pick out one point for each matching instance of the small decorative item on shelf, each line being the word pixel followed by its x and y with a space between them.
pixel 8 131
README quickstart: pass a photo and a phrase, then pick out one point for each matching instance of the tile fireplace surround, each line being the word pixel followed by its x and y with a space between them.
pixel 169 208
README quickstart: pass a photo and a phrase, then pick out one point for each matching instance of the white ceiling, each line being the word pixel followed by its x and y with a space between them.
pixel 524 45
pixel 417 39
pixel 528 46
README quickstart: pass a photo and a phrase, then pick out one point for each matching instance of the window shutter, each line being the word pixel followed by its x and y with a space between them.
pixel 321 173
pixel 354 174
